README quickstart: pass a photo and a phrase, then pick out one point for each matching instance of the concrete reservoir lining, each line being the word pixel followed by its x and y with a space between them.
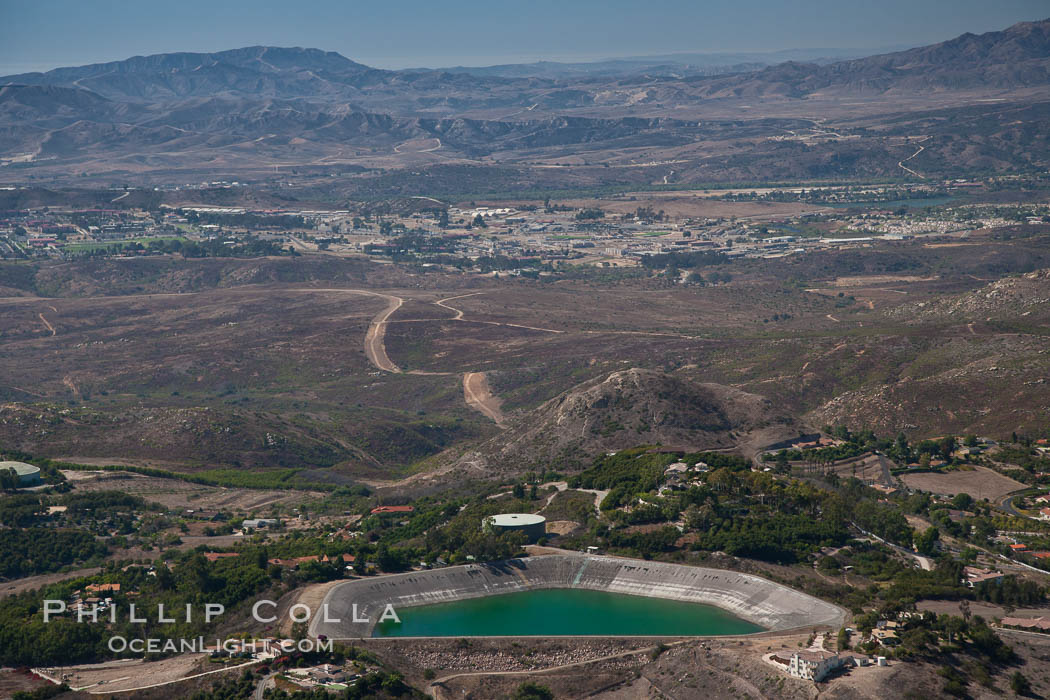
pixel 765 603
pixel 28 474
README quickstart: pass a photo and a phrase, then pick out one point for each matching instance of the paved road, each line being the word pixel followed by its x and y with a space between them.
pixel 1008 505
pixel 263 685
pixel 925 563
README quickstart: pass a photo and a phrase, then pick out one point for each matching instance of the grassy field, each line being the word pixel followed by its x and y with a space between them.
pixel 102 245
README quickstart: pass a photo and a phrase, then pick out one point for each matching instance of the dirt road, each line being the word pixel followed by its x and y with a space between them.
pixel 30 583
pixel 459 315
pixel 375 346
pixel 478 396
pixel 437 690
pixel 49 326
pixel 901 164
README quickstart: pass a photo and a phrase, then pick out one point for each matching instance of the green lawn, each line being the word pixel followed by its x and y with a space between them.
pixel 96 245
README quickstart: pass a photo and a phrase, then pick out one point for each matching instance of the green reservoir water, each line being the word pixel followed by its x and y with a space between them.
pixel 563 612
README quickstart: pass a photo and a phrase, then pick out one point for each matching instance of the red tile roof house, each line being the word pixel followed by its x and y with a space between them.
pixel 347 558
pixel 103 588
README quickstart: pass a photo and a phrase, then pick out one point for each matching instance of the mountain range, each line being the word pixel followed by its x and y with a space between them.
pixel 295 105
pixel 1015 57
pixel 674 64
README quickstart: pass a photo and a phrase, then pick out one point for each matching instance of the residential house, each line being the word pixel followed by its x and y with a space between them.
pixel 973 576
pixel 1041 624
pixel 102 588
pixel 260 523
pixel 814 665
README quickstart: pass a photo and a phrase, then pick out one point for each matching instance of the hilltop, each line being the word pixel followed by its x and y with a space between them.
pixel 635 406
pixel 1019 296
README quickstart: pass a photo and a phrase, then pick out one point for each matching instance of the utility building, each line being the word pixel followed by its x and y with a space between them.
pixel 534 526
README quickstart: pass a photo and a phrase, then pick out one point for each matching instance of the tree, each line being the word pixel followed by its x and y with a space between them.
pixel 903 450
pixel 443 219
pixel 479 221
pixel 926 543
pixel 532 691
pixel 947 445
pixel 781 461
pixel 8 479
pixel 1020 684
pixel 952 626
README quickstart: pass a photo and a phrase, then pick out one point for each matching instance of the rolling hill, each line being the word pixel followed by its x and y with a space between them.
pixel 631 407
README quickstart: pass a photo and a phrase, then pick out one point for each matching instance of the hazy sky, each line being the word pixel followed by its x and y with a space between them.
pixel 43 34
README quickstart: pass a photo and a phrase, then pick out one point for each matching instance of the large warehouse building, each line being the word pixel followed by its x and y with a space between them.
pixel 534 526
pixel 28 475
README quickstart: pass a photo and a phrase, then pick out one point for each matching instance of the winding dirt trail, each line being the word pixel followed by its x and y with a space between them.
pixel 375 345
pixel 49 326
pixel 375 338
pixel 459 315
pixel 902 165
pixel 437 690
pixel 458 312
pixel 478 396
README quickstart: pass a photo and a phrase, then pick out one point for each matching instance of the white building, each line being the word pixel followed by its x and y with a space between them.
pixel 814 665
pixel 259 523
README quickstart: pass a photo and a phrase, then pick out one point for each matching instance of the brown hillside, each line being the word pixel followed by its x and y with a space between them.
pixel 633 407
